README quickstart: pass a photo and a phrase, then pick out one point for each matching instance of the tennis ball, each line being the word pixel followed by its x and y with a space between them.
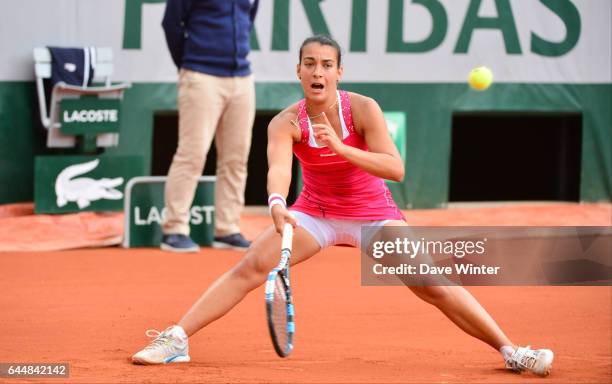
pixel 480 78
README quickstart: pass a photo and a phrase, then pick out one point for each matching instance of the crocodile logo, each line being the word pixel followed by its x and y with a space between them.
pixel 84 190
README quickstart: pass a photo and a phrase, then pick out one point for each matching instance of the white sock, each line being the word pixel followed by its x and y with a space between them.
pixel 506 351
pixel 179 332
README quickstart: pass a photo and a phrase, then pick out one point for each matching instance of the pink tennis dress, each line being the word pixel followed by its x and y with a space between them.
pixel 333 187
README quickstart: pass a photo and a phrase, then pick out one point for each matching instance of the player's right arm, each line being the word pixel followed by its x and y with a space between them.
pixel 282 133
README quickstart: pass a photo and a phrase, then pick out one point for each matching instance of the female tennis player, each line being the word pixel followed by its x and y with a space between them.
pixel 345 151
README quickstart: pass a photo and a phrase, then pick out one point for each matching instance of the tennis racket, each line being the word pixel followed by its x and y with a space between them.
pixel 279 304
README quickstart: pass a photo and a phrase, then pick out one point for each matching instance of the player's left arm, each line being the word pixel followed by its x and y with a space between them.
pixel 382 158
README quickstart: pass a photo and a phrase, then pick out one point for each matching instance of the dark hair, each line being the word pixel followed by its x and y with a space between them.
pixel 323 40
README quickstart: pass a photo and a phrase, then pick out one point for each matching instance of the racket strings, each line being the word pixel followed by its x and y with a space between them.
pixel 279 312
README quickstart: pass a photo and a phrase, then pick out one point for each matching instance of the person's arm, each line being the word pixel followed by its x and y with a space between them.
pixel 280 158
pixel 174 24
pixel 382 158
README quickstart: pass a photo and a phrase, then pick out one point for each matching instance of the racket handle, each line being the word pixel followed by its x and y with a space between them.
pixel 287 236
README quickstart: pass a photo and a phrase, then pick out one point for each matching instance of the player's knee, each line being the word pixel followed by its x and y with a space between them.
pixel 250 271
pixel 243 270
pixel 432 294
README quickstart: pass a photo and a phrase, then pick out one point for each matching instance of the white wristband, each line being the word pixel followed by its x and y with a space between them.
pixel 276 199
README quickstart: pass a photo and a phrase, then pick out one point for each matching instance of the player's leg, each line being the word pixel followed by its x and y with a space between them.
pixel 467 313
pixel 227 291
pixel 461 308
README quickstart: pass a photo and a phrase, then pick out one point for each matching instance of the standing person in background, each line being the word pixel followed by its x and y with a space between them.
pixel 209 43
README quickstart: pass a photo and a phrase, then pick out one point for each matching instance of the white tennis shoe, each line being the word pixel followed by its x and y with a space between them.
pixel 538 361
pixel 169 346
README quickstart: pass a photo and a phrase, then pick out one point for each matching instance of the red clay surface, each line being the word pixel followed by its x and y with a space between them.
pixel 90 308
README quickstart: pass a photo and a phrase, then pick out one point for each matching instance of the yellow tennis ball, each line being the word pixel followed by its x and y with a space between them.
pixel 480 78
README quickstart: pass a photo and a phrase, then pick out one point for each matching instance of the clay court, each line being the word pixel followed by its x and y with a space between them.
pixel 91 307
pixel 498 110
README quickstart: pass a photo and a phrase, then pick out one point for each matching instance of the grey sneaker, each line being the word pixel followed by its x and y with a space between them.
pixel 234 241
pixel 538 361
pixel 169 346
pixel 178 243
